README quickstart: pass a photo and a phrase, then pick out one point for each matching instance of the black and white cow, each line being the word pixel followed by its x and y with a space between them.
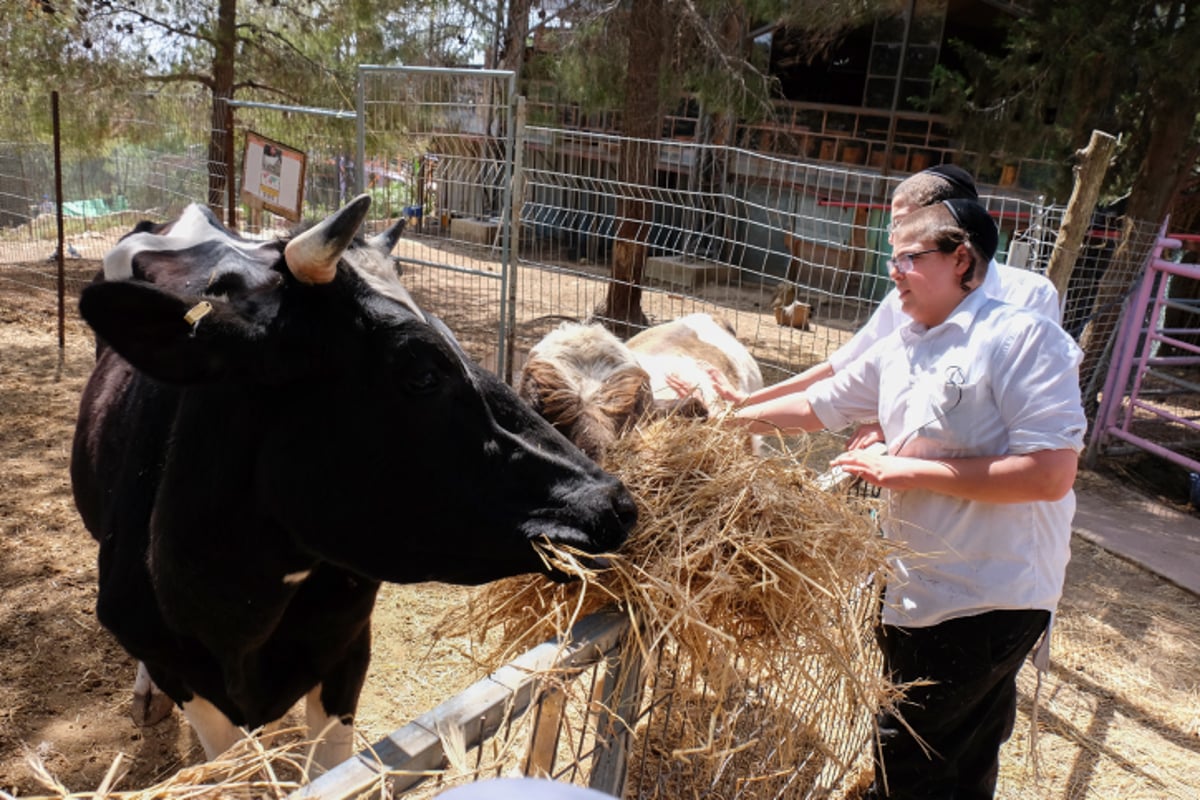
pixel 270 431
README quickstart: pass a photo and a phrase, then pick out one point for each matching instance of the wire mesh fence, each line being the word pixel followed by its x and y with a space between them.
pixel 594 710
pixel 325 136
pixel 440 139
pixel 791 252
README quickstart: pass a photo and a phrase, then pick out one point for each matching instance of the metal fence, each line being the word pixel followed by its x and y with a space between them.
pixel 514 228
pixel 589 709
pixel 444 138
pixel 792 252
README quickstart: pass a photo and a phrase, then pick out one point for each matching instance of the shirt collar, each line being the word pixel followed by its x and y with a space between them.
pixel 961 317
pixel 991 281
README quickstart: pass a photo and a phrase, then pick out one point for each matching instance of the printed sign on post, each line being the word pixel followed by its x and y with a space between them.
pixel 273 177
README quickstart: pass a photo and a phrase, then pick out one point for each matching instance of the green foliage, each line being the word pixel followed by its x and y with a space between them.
pixel 1073 66
pixel 709 55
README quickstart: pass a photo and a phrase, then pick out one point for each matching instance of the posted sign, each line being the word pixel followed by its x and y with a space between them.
pixel 273 177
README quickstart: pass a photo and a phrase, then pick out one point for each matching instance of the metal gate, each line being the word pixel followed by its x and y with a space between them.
pixel 1151 398
pixel 443 139
pixel 434 146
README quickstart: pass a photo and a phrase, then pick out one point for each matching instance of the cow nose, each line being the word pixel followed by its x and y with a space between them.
pixel 624 508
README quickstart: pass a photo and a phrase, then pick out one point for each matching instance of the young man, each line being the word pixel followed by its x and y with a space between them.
pixel 1018 287
pixel 979 402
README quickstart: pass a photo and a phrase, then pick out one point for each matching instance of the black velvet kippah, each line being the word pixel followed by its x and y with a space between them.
pixel 978 223
pixel 957 177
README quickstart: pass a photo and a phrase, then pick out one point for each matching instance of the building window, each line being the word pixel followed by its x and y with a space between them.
pixel 904 52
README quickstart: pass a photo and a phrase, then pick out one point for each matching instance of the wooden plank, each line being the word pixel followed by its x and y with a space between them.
pixel 623 691
pixel 544 743
pixel 1077 219
pixel 477 712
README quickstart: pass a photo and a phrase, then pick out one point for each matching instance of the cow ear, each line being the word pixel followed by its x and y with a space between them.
pixel 172 338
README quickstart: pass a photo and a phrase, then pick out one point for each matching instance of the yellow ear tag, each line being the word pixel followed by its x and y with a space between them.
pixel 197 312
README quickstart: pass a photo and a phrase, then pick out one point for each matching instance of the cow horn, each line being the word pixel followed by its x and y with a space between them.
pixel 385 241
pixel 313 255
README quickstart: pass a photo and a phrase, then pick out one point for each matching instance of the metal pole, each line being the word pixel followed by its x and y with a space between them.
pixel 230 169
pixel 58 221
pixel 507 268
pixel 513 241
pixel 360 143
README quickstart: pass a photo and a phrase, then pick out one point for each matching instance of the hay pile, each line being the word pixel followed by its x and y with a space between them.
pixel 270 764
pixel 753 604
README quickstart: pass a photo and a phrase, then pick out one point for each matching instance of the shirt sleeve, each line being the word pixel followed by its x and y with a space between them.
pixel 1044 300
pixel 1036 380
pixel 1026 289
pixel 851 395
pixel 887 318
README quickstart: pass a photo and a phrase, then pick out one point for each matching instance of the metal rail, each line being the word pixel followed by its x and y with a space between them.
pixel 410 755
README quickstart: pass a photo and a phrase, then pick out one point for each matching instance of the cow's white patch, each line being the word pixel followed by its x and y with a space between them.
pixel 334 739
pixel 297 577
pixel 214 730
pixel 192 228
pixel 142 684
pixel 747 375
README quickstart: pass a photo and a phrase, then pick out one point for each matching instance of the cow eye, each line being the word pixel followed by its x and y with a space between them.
pixel 423 382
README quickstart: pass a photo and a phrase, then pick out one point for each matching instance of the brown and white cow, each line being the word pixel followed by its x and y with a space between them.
pixel 593 387
pixel 271 430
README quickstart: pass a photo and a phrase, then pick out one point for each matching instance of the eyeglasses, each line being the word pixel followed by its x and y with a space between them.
pixel 903 264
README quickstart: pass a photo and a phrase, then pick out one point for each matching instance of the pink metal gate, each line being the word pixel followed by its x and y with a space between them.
pixel 1151 398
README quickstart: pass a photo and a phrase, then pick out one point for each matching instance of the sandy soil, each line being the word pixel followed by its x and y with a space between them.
pixel 1119 716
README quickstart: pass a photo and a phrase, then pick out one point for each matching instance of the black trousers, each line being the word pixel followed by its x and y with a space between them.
pixel 965 713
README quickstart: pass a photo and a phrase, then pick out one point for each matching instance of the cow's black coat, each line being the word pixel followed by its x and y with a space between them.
pixel 331 430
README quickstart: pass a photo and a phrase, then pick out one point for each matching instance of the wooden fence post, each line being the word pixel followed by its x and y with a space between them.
pixel 1077 219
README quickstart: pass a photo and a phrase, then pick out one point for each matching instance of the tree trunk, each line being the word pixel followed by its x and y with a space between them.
pixel 221 136
pixel 1159 177
pixel 642 117
pixel 516 31
pixel 716 133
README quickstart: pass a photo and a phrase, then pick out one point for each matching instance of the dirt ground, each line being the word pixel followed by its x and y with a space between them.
pixel 1119 713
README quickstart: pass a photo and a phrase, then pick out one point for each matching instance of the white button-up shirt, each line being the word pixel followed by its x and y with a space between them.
pixel 1018 287
pixel 991 380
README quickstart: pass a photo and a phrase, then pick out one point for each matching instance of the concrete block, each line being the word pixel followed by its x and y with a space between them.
pixel 685 273
pixel 475 231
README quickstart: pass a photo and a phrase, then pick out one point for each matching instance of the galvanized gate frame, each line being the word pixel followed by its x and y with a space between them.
pixel 414 753
pixel 508 211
